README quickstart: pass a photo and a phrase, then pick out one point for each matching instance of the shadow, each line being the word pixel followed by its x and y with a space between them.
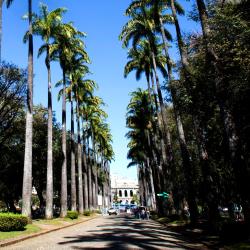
pixel 124 232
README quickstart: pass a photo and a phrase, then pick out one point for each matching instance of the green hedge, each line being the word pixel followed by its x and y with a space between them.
pixel 87 213
pixel 72 215
pixel 12 222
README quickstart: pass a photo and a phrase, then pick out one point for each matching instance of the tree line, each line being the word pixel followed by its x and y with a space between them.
pixel 189 134
pixel 86 150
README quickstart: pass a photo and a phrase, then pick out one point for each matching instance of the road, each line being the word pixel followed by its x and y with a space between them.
pixel 110 232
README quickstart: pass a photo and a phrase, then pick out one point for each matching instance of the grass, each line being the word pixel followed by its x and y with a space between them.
pixel 30 228
pixel 56 222
pixel 33 228
pixel 239 246
pixel 167 220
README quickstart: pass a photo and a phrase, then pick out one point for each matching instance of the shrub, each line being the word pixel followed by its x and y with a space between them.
pixel 72 215
pixel 12 222
pixel 87 213
pixel 98 211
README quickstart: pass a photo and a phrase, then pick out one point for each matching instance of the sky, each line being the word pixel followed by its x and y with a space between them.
pixel 102 21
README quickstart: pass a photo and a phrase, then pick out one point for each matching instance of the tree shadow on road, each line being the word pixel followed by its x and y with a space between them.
pixel 126 233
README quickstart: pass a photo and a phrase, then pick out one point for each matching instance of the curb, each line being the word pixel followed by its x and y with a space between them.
pixel 14 241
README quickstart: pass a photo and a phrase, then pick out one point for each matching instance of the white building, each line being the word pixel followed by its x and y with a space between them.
pixel 124 188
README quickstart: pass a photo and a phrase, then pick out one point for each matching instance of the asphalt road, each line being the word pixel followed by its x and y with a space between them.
pixel 110 232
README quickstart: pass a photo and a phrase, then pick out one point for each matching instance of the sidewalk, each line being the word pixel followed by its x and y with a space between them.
pixel 46 228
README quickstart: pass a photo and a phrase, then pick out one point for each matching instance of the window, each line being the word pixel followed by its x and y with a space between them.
pixel 120 193
pixel 126 193
pixel 131 193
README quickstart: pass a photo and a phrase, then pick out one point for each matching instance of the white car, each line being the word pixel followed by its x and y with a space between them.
pixel 112 211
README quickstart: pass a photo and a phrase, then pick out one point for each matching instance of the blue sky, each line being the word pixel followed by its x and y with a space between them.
pixel 102 21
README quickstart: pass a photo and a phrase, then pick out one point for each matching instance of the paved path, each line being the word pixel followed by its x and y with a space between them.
pixel 110 232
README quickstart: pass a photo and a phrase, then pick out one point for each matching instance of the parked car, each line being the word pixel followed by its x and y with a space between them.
pixel 112 211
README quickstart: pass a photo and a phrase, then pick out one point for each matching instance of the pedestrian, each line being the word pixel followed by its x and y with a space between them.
pixel 147 214
pixel 143 213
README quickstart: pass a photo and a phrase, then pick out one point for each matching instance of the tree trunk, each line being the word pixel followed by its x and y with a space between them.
pixel 79 162
pixel 27 172
pixel 85 174
pixel 187 165
pixel 49 183
pixel 73 159
pixel 90 185
pixel 236 156
pixel 96 186
pixel 64 194
pixel 183 52
pixel 160 127
pixel 163 113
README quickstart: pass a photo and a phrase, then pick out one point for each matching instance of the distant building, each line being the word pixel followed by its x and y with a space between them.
pixel 124 189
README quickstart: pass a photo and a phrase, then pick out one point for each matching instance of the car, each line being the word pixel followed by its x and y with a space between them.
pixel 112 211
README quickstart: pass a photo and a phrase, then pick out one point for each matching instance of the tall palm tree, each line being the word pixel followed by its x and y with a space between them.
pixel 93 116
pixel 186 159
pixel 8 3
pixel 47 25
pixel 142 26
pixel 137 6
pixel 27 171
pixel 83 90
pixel 65 42
pixel 234 147
pixel 139 120
pixel 76 70
pixel 141 61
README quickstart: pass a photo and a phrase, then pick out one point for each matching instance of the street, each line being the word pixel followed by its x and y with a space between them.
pixel 110 232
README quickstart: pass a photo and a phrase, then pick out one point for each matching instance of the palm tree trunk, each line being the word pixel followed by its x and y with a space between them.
pixel 159 130
pixel 64 194
pixel 96 186
pixel 27 171
pixel 183 52
pixel 94 171
pixel 236 157
pixel 79 162
pixel 163 112
pixel 49 183
pixel 186 161
pixel 85 173
pixel 90 185
pixel 73 160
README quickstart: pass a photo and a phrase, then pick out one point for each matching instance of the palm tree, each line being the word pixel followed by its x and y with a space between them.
pixel 47 25
pixel 234 147
pixel 141 61
pixel 158 6
pixel 142 26
pixel 83 90
pixel 76 71
pixel 8 3
pixel 93 115
pixel 65 42
pixel 27 171
pixel 139 120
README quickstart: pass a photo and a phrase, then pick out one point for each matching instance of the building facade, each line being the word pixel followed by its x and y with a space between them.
pixel 123 190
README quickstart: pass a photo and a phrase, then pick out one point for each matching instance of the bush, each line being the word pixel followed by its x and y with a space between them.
pixel 98 211
pixel 12 222
pixel 87 213
pixel 72 215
